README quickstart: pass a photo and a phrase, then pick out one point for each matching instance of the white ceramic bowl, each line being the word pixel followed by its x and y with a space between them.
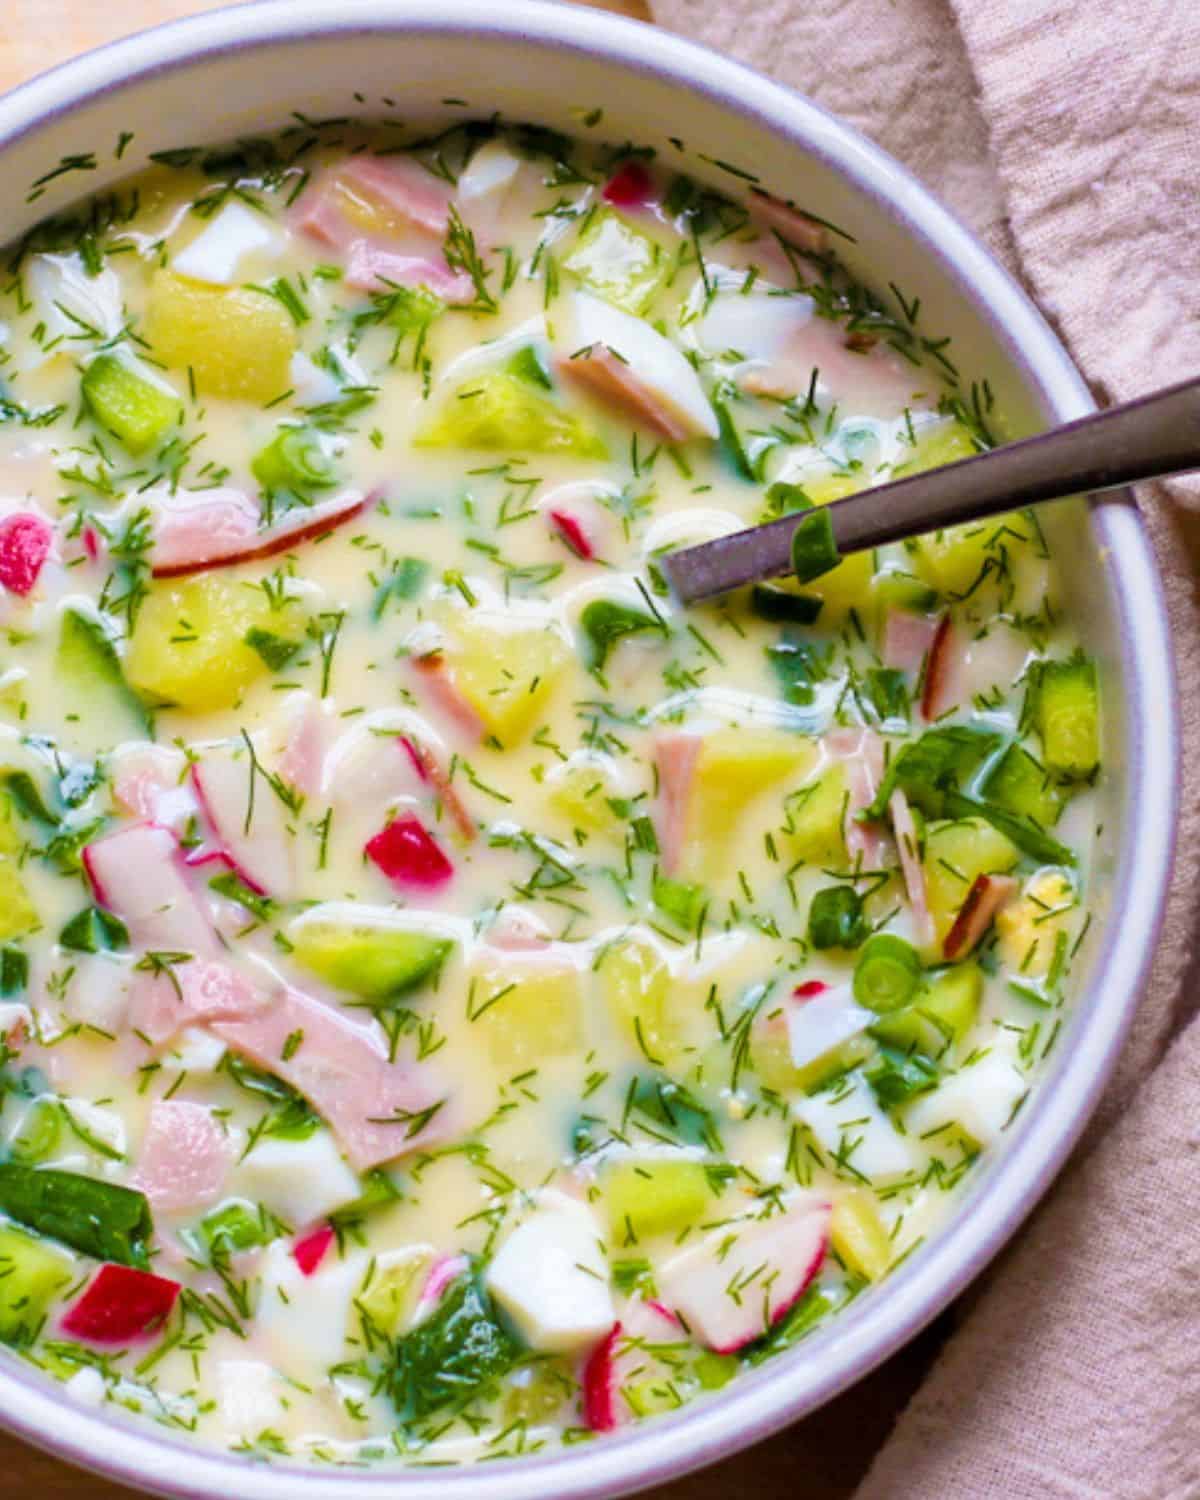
pixel 244 71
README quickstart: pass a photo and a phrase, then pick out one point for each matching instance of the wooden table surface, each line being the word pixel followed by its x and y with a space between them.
pixel 821 1458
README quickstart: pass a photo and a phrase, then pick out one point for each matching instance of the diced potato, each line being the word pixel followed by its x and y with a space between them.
pixel 189 648
pixel 237 342
pixel 857 1234
pixel 583 790
pixel 506 671
pixel 619 262
pixel 733 769
pixel 815 826
pixel 653 1195
pixel 528 1013
pixel 1029 928
pixel 501 413
pixel 392 1287
pixel 955 853
pixel 636 984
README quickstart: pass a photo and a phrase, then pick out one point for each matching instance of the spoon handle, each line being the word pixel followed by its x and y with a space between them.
pixel 1144 439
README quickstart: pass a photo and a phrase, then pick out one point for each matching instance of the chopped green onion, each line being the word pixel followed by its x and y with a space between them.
pixel 887 974
pixel 814 550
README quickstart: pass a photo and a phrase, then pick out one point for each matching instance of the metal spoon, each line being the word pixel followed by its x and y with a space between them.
pixel 1150 438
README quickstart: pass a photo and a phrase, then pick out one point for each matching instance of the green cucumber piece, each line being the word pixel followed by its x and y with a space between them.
pixel 940 1017
pixel 135 409
pixel 96 1218
pixel 835 918
pixel 377 961
pixel 32 1273
pixel 102 705
pixel 1068 717
pixel 784 605
pixel 94 930
pixel 887 974
pixel 1018 784
pixel 681 902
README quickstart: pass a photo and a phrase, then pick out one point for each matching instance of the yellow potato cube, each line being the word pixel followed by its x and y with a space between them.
pixel 955 854
pixel 636 984
pixel 527 1012
pixel 1029 929
pixel 237 342
pixel 857 1234
pixel 651 1195
pixel 506 671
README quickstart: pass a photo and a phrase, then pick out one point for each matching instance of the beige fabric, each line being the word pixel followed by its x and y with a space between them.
pixel 1068 135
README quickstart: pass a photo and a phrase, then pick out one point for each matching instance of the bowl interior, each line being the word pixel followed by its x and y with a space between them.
pixel 256 68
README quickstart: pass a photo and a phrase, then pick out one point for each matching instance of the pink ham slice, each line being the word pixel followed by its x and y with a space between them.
pixel 613 382
pixel 772 1261
pixel 373 1106
pixel 790 223
pixel 258 848
pixel 876 379
pixel 436 685
pixel 201 529
pixel 184 1157
pixel 906 639
pixel 861 752
pixel 675 756
pixel 988 894
pixel 137 874
pixel 161 1005
pixel 429 768
pixel 908 847
pixel 371 267
pixel 402 185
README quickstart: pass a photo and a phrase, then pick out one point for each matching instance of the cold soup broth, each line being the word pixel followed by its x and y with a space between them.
pixel 455 1000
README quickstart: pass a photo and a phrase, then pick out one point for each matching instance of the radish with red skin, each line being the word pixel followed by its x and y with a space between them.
pixel 309 1251
pixel 188 541
pixel 435 681
pixel 261 856
pixel 810 989
pixel 987 895
pixel 573 534
pixel 408 855
pixel 25 543
pixel 137 874
pixel 908 846
pixel 906 639
pixel 610 380
pixel 120 1304
pixel 695 1283
pixel 600 1384
pixel 429 769
pixel 790 223
pixel 630 186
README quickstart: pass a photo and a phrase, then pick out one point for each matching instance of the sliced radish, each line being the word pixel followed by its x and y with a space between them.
pixel 809 989
pixel 438 687
pixel 25 543
pixel 444 1272
pixel 824 1021
pixel 630 186
pixel 988 894
pixel 908 846
pixel 730 1294
pixel 137 874
pixel 758 325
pixel 429 769
pixel 408 855
pixel 572 532
pixel 198 530
pixel 632 365
pixel 935 696
pixel 309 1251
pixel 120 1304
pixel 675 756
pixel 600 1390
pixel 248 821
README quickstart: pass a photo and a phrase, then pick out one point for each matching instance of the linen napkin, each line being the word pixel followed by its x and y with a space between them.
pixel 1068 135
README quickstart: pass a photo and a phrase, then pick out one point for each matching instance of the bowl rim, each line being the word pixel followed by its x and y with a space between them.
pixel 761 1403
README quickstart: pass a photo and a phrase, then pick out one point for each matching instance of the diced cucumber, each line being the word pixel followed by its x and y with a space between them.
pixel 715 1370
pixel 636 984
pixel 955 854
pixel 1068 716
pixel 18 915
pixel 771 1055
pixel 233 1227
pixel 940 1017
pixel 1018 784
pixel 501 413
pixel 132 406
pixel 393 1285
pixel 376 960
pixel 857 1234
pixel 835 918
pixel 815 824
pixel 37 1136
pixel 604 622
pixel 898 589
pixel 681 902
pixel 32 1273
pixel 619 262
pixel 101 703
pixel 527 1014
pixel 653 1195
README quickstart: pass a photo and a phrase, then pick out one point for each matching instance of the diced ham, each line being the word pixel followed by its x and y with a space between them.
pixel 250 826
pixel 431 772
pixel 877 381
pixel 630 186
pixel 371 267
pixel 861 751
pixel 184 1158
pixel 26 540
pixel 137 874
pixel 771 1262
pixel 615 383
pixel 908 847
pixel 161 1005
pixel 376 1108
pixel 120 1304
pixel 437 686
pixel 906 639
pixel 675 756
pixel 309 1251
pixel 937 694
pixel 193 531
pixel 402 185
pixel 789 222
pixel 988 894
pixel 150 781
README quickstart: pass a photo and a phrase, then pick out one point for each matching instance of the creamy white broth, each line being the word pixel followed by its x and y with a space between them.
pixel 453 941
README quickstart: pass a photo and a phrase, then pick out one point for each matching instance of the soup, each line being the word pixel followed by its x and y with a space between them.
pixel 456 1001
